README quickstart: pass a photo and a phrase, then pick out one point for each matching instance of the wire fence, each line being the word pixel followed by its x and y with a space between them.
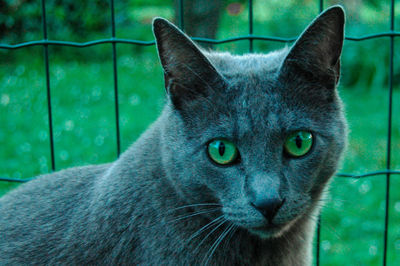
pixel 391 34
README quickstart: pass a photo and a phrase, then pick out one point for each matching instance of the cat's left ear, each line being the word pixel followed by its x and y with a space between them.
pixel 318 49
pixel 188 74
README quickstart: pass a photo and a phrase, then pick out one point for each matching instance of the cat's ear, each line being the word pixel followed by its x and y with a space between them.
pixel 188 73
pixel 318 49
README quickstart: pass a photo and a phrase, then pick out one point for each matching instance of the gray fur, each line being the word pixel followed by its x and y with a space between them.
pixel 131 211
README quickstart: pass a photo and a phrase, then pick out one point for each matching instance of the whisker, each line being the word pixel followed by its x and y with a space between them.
pixel 196 205
pixel 315 219
pixel 217 242
pixel 212 231
pixel 332 230
pixel 230 235
pixel 193 214
pixel 205 227
pixel 312 217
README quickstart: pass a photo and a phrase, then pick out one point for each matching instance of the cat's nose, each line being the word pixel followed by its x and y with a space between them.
pixel 268 207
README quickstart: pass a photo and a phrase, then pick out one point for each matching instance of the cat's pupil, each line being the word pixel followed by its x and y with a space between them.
pixel 298 141
pixel 221 148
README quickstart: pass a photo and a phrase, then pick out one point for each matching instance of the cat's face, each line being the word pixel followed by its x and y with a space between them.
pixel 259 134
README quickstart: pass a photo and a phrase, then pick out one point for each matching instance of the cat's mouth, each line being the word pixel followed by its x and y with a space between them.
pixel 269 231
pixel 260 226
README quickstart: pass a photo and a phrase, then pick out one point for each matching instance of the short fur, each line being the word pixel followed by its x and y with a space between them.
pixel 151 205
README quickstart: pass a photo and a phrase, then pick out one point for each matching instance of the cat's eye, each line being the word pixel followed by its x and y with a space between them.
pixel 222 151
pixel 298 143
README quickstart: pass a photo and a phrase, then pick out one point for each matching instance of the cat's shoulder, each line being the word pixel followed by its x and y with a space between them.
pixel 47 185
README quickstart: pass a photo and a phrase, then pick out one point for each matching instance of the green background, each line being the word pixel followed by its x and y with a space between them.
pixel 83 102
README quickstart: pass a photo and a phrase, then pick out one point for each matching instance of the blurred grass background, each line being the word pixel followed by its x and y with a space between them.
pixel 83 99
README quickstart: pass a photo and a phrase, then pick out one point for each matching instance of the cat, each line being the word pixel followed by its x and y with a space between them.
pixel 231 173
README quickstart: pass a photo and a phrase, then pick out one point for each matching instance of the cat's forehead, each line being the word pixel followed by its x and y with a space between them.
pixel 255 101
pixel 251 78
pixel 246 65
pixel 251 94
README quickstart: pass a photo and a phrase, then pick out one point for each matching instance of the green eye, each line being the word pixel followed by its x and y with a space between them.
pixel 222 151
pixel 298 143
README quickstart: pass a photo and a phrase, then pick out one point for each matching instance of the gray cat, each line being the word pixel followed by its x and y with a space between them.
pixel 231 173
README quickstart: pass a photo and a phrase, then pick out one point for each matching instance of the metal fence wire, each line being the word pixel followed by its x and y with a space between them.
pixel 391 34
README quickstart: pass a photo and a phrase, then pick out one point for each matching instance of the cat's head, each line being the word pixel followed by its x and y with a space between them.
pixel 260 134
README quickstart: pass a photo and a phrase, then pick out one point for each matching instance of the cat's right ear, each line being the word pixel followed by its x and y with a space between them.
pixel 188 73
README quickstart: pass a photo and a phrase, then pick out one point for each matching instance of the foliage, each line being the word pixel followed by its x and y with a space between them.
pixel 21 20
pixel 88 20
pixel 83 100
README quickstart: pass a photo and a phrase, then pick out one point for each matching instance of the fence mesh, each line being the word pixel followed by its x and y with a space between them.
pixel 113 40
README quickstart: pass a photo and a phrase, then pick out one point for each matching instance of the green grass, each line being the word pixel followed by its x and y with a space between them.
pixel 84 133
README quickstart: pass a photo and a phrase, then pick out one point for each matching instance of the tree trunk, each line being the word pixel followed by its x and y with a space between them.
pixel 201 18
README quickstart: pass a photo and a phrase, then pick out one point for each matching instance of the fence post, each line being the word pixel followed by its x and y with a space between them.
pixel 114 56
pixel 389 138
pixel 251 25
pixel 181 20
pixel 46 65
